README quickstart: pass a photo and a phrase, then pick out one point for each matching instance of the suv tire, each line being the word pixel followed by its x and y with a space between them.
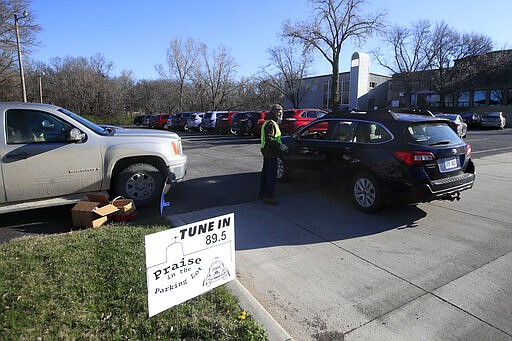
pixel 283 173
pixel 366 192
pixel 141 182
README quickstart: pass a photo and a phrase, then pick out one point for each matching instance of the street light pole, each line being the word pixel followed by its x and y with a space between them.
pixel 41 86
pixel 23 89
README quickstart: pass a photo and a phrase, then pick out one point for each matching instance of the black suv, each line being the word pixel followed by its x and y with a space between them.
pixel 383 156
pixel 180 120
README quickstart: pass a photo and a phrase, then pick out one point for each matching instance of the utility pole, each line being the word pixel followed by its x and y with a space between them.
pixel 22 76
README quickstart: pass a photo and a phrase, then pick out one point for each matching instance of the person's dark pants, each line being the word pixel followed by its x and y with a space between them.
pixel 268 178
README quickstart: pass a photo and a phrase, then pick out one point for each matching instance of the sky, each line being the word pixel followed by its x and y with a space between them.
pixel 134 35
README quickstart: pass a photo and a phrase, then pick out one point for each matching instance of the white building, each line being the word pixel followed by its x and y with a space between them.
pixel 359 88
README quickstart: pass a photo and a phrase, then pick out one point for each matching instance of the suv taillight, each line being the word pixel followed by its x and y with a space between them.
pixel 414 158
pixel 469 152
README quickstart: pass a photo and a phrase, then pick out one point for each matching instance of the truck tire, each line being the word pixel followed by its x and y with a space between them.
pixel 141 182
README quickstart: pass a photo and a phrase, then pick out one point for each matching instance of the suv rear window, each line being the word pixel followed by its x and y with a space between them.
pixel 208 115
pixel 289 114
pixel 429 134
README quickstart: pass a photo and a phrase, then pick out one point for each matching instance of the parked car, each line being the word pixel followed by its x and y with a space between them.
pixel 49 152
pixel 160 121
pixel 293 119
pixel 209 121
pixel 470 118
pixel 224 122
pixel 139 120
pixel 493 119
pixel 456 122
pixel 248 122
pixel 179 120
pixel 383 156
pixel 149 119
pixel 194 121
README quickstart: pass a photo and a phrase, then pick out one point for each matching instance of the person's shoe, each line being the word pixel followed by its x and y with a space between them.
pixel 270 201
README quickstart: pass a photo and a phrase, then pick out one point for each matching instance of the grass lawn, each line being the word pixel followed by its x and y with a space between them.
pixel 91 284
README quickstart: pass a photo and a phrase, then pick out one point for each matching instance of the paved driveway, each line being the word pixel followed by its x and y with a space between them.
pixel 437 271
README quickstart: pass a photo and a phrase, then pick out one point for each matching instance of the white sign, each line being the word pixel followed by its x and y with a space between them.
pixel 187 261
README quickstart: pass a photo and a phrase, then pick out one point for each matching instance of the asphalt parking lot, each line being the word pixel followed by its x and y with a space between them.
pixel 433 271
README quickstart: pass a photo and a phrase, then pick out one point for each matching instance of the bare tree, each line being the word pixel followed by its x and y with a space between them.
pixel 411 54
pixel 182 58
pixel 335 22
pixel 81 84
pixel 152 96
pixel 217 76
pixel 448 46
pixel 288 67
pixel 9 77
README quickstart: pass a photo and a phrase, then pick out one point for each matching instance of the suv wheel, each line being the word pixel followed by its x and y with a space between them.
pixel 141 182
pixel 282 170
pixel 366 192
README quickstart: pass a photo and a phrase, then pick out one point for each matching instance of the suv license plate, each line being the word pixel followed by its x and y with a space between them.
pixel 448 164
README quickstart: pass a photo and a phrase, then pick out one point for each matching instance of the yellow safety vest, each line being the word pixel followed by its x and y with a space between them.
pixel 277 136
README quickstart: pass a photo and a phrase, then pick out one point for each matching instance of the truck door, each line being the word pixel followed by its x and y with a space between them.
pixel 37 161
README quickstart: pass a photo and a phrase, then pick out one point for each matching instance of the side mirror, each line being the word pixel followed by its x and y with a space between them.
pixel 75 135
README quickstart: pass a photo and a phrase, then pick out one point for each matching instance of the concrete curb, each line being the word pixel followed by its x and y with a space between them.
pixel 249 303
pixel 256 310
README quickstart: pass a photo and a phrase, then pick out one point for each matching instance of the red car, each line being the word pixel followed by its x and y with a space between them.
pixel 160 121
pixel 293 119
pixel 248 122
pixel 224 121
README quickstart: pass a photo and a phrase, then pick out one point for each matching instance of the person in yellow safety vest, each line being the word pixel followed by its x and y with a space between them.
pixel 271 147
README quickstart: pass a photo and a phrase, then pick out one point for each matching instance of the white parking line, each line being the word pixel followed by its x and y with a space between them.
pixel 472 140
pixel 491 150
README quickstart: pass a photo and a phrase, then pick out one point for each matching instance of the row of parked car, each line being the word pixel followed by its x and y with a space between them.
pixel 465 120
pixel 235 122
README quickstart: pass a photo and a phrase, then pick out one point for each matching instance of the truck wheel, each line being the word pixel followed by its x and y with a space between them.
pixel 141 182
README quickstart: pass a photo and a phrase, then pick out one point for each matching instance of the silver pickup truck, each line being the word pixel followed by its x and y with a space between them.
pixel 49 156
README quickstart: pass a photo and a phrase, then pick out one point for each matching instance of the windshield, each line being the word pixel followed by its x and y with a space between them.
pixel 94 127
pixel 430 134
pixel 239 115
pixel 492 114
pixel 254 115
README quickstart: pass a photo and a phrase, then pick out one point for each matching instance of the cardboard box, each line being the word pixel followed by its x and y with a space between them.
pixel 92 213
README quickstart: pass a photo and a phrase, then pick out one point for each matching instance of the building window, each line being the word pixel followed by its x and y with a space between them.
pixel 497 97
pixel 344 90
pixel 479 97
pixel 463 100
pixel 373 85
pixel 448 101
pixel 509 99
pixel 435 100
pixel 326 94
